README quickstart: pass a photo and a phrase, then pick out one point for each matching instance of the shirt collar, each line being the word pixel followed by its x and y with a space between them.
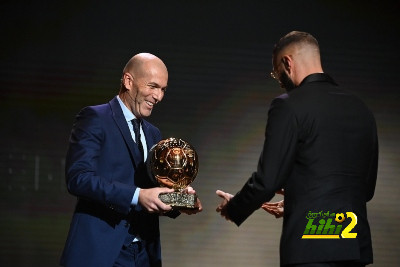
pixel 127 113
pixel 317 77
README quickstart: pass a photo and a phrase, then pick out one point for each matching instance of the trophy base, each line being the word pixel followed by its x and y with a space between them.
pixel 179 200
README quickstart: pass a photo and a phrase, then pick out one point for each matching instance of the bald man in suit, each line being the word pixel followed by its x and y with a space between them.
pixel 115 222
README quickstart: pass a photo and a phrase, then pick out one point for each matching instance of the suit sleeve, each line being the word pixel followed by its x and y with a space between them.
pixel 82 161
pixel 274 166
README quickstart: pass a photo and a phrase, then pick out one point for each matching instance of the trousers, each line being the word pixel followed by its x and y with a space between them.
pixel 133 255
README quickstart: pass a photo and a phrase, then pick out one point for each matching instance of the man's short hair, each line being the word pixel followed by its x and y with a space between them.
pixel 294 37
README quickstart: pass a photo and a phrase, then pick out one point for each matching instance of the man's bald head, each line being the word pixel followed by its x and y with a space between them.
pixel 143 84
pixel 142 63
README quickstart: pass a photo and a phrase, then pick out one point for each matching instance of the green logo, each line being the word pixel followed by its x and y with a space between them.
pixel 325 226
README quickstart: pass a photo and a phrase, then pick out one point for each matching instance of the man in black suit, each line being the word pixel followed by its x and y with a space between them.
pixel 321 148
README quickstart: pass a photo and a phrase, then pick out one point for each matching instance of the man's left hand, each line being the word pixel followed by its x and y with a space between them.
pixel 198 207
pixel 274 208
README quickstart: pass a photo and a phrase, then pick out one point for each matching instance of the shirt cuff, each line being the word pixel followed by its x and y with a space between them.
pixel 135 199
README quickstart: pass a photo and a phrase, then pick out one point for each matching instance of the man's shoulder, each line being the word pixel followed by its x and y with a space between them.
pixel 94 110
pixel 101 108
pixel 100 113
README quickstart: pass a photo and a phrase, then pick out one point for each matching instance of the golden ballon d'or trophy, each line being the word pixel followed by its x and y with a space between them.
pixel 173 163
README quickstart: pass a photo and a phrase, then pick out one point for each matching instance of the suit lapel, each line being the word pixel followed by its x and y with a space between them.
pixel 124 129
pixel 150 140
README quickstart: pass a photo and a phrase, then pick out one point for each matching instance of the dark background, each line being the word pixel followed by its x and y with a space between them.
pixel 58 56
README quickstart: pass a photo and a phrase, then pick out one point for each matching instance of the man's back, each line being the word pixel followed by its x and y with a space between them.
pixel 321 148
pixel 334 171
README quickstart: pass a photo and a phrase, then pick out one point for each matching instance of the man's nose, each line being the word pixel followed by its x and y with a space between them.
pixel 158 95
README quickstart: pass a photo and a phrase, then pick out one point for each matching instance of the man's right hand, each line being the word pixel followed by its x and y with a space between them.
pixel 148 199
pixel 221 208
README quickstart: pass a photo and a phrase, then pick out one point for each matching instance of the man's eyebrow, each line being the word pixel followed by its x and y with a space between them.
pixel 153 83
pixel 156 85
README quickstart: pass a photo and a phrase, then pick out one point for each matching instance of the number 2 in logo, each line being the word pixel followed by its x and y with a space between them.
pixel 346 231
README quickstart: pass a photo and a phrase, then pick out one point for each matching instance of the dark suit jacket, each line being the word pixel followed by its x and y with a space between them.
pixel 103 171
pixel 321 147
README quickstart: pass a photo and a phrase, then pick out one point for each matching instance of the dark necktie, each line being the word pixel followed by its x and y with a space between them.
pixel 136 129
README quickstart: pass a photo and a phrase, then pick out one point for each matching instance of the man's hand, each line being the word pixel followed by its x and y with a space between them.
pixel 148 199
pixel 226 197
pixel 199 207
pixel 276 208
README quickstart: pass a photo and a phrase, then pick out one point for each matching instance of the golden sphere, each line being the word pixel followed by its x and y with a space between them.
pixel 173 163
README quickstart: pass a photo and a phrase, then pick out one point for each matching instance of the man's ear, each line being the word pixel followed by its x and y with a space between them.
pixel 127 80
pixel 287 63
